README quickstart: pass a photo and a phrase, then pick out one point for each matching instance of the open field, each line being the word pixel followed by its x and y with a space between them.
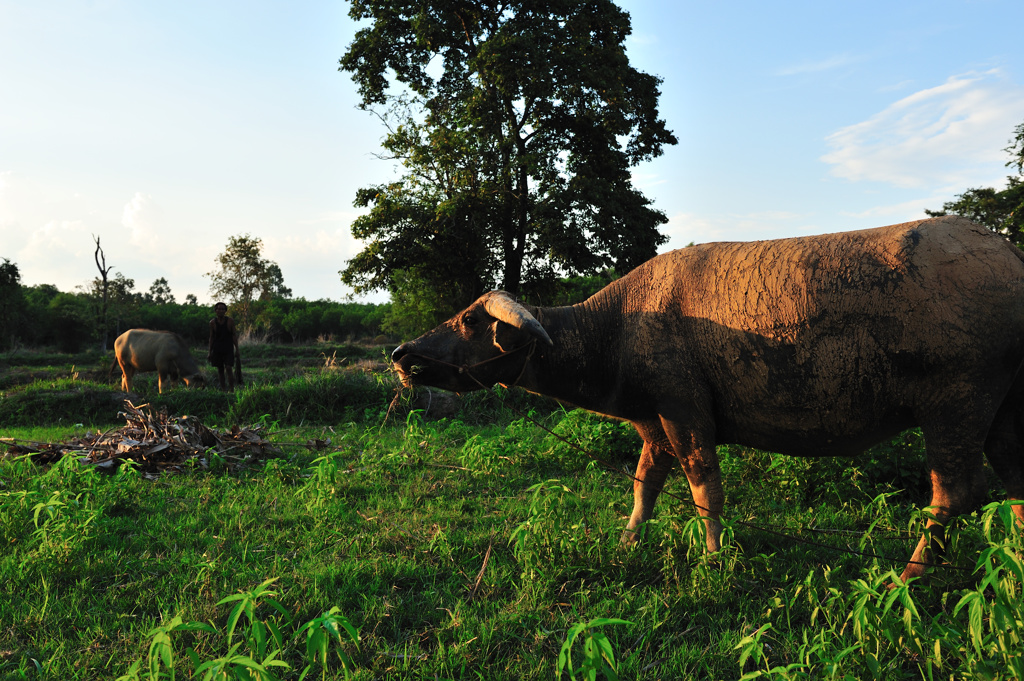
pixel 464 547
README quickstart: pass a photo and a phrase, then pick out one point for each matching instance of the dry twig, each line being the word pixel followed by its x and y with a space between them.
pixel 155 442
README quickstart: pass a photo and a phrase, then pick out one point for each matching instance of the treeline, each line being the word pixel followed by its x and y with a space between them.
pixel 43 316
pixel 38 316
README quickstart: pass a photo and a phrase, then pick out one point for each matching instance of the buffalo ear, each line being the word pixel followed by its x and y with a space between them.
pixel 508 338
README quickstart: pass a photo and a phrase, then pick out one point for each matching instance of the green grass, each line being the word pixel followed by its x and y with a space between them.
pixel 483 547
pixel 391 527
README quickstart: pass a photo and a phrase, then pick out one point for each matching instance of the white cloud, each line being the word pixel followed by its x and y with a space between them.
pixel 180 248
pixel 902 85
pixel 686 228
pixel 771 216
pixel 70 237
pixel 12 195
pixel 310 260
pixel 11 234
pixel 905 211
pixel 341 217
pixel 49 232
pixel 641 39
pixel 141 216
pixel 152 249
pixel 953 135
pixel 336 244
pixel 913 209
pixel 59 253
pixel 46 231
pixel 645 181
pixel 820 65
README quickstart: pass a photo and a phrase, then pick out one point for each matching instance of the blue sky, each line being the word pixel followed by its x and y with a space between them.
pixel 166 128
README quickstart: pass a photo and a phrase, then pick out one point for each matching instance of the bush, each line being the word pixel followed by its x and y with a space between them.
pixel 66 400
pixel 63 400
pixel 608 440
pixel 328 397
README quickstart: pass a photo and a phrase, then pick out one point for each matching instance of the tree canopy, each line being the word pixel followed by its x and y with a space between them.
pixel 517 124
pixel 244 275
pixel 1002 211
pixel 160 292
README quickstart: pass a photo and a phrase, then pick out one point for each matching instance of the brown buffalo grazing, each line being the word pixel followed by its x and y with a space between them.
pixel 810 346
pixel 141 350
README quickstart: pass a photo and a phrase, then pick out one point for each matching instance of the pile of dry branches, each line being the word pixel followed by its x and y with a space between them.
pixel 155 442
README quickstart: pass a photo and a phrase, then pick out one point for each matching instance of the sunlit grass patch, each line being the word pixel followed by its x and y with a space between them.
pixel 474 547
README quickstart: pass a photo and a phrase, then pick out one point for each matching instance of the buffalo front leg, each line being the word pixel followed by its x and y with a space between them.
pixel 648 481
pixel 958 481
pixel 705 478
pixel 699 459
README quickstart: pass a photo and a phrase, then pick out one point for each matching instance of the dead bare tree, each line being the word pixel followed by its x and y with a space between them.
pixel 101 265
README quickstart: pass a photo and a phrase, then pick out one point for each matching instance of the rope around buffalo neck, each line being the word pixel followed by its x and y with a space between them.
pixel 467 369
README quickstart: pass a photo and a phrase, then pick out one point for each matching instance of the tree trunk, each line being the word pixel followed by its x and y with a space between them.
pixel 104 270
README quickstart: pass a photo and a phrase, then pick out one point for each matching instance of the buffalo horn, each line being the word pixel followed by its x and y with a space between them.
pixel 501 307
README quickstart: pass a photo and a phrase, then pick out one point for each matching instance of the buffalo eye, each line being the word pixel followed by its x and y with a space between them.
pixel 470 320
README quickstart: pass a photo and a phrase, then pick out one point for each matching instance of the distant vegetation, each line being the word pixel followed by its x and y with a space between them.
pixel 43 316
pixel 70 322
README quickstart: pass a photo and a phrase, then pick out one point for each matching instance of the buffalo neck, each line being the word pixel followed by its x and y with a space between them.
pixel 581 366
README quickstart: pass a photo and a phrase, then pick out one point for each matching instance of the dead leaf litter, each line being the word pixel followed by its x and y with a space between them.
pixel 157 443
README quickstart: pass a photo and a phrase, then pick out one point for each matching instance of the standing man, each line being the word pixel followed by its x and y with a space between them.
pixel 223 345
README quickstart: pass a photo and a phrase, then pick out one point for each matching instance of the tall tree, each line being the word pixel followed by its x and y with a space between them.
pixel 518 127
pixel 1002 211
pixel 244 276
pixel 1016 149
pixel 12 304
pixel 159 293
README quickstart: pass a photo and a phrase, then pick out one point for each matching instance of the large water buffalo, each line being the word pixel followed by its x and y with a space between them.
pixel 811 346
pixel 140 350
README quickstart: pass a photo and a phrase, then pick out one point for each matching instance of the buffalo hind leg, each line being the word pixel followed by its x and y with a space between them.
pixel 648 481
pixel 126 377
